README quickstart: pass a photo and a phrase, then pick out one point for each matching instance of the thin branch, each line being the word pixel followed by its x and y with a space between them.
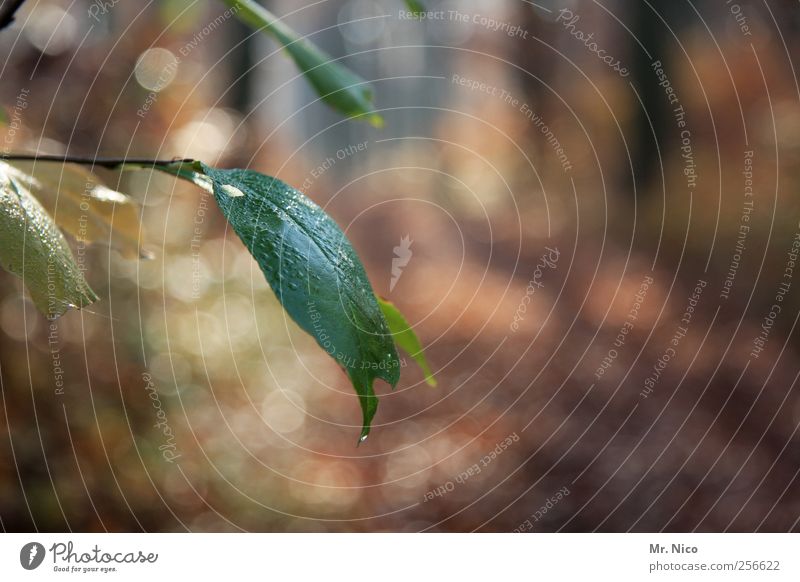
pixel 100 162
pixel 7 10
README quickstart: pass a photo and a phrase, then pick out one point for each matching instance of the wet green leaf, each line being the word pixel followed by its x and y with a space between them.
pixel 32 247
pixel 311 267
pixel 337 85
pixel 405 337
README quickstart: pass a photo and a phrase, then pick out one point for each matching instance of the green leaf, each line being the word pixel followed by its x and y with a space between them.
pixel 311 267
pixel 405 337
pixel 32 247
pixel 415 6
pixel 82 205
pixel 337 85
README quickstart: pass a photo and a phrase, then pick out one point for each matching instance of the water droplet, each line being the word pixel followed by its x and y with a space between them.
pixel 231 190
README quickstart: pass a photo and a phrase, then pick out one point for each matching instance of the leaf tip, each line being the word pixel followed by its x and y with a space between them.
pixel 375 120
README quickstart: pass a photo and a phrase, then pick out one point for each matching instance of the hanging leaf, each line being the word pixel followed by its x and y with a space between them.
pixel 82 205
pixel 337 85
pixel 32 247
pixel 415 6
pixel 405 337
pixel 311 267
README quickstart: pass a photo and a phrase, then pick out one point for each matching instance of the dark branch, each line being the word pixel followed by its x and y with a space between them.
pixel 101 162
pixel 7 10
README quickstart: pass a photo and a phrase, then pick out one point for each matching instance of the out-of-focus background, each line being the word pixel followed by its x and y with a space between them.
pixel 602 200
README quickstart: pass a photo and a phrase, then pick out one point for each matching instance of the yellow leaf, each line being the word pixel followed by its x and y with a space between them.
pixel 82 205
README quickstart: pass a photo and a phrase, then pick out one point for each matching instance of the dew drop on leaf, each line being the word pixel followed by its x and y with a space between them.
pixel 231 190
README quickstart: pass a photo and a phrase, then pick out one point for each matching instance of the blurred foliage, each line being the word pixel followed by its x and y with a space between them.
pixel 336 84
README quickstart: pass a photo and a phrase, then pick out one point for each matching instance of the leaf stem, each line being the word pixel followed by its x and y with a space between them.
pixel 101 162
pixel 7 11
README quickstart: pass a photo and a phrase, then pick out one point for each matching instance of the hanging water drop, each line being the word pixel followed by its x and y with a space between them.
pixel 231 190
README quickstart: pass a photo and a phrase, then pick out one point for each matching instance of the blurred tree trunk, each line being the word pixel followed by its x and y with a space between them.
pixel 650 126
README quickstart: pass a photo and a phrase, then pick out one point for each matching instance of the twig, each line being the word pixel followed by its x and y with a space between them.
pixel 101 162
pixel 7 10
